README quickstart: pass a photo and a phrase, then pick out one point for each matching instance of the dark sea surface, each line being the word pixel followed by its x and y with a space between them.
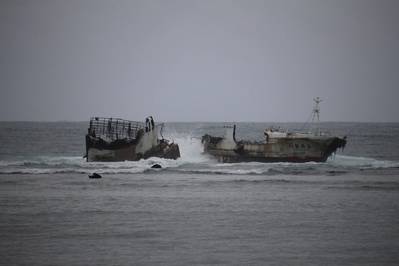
pixel 196 211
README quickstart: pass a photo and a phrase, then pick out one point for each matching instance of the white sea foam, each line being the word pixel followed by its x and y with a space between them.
pixel 192 161
pixel 191 149
pixel 361 162
pixel 225 171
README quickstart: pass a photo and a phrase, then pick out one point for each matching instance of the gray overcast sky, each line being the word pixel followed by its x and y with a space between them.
pixel 199 60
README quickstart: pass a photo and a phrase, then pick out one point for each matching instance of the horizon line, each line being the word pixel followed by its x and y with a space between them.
pixel 238 121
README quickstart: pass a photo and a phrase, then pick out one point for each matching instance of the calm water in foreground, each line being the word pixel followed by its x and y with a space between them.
pixel 195 211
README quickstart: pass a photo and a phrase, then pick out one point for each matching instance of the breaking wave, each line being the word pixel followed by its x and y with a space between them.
pixel 190 155
pixel 361 162
pixel 191 162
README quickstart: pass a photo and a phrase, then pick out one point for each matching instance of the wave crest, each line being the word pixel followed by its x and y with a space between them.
pixel 191 162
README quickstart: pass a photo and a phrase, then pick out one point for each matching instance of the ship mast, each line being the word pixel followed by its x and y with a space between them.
pixel 316 114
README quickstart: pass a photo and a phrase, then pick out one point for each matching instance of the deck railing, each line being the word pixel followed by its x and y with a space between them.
pixel 114 128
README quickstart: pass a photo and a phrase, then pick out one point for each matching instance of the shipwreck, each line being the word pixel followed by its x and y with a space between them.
pixel 114 139
pixel 277 146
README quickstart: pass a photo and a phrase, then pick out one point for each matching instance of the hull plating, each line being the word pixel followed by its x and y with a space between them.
pixel 281 150
pixel 111 139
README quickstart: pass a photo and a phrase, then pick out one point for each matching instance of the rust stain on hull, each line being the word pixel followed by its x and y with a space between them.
pixel 278 149
pixel 111 139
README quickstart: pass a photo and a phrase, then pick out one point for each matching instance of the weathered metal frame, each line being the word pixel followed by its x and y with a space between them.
pixel 114 128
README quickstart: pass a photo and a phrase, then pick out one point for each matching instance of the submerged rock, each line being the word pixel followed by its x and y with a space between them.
pixel 95 175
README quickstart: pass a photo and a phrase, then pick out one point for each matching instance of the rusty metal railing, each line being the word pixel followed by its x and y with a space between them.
pixel 114 128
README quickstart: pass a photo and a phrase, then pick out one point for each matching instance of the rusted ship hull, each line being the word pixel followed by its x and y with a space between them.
pixel 280 150
pixel 99 151
pixel 278 146
pixel 123 140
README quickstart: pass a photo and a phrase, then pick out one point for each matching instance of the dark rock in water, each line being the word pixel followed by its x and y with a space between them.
pixel 156 166
pixel 95 175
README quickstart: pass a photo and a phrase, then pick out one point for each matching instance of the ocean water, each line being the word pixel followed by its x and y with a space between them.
pixel 196 211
